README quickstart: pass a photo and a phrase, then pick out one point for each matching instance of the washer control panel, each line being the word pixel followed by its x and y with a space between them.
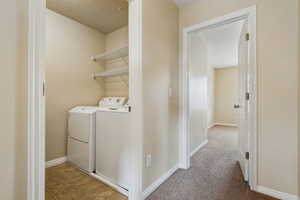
pixel 113 102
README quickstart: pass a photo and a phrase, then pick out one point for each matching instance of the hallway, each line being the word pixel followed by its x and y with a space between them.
pixel 214 175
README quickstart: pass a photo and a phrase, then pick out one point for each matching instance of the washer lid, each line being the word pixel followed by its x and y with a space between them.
pixel 84 109
pixel 122 109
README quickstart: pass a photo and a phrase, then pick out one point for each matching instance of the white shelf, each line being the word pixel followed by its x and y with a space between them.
pixel 111 73
pixel 117 53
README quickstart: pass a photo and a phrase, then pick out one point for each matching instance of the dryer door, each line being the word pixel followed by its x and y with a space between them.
pixel 79 154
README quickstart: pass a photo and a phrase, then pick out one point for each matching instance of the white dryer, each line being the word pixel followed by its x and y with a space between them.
pixel 81 137
pixel 112 142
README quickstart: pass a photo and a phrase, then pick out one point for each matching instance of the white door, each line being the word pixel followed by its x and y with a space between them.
pixel 243 101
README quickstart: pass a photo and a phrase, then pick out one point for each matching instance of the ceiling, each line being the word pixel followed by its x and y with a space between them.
pixel 222 44
pixel 104 15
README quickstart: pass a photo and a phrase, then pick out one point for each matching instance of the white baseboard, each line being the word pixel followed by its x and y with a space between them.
pixel 159 181
pixel 210 126
pixel 199 147
pixel 55 162
pixel 109 182
pixel 275 193
pixel 225 124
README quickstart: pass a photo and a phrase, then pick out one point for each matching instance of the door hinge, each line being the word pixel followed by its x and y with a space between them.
pixel 247 36
pixel 247 155
pixel 44 88
pixel 247 96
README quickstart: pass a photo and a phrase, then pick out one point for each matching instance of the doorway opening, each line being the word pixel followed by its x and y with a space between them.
pixel 89 42
pixel 82 64
pixel 219 89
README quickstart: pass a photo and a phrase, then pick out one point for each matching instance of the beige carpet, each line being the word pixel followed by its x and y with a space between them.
pixel 64 182
pixel 214 175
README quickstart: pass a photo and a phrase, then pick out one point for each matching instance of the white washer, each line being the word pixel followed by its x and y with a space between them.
pixel 81 137
pixel 112 143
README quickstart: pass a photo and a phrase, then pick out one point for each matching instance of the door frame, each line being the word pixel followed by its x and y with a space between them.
pixel 184 136
pixel 36 100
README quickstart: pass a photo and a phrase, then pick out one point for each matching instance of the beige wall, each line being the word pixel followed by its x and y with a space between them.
pixel 116 86
pixel 226 95
pixel 160 72
pixel 69 76
pixel 21 100
pixel 197 91
pixel 13 17
pixel 8 57
pixel 277 60
pixel 116 39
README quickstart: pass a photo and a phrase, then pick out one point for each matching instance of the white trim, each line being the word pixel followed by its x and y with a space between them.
pixel 275 193
pixel 149 190
pixel 109 182
pixel 136 97
pixel 225 124
pixel 211 126
pixel 253 100
pixel 199 147
pixel 224 66
pixel 55 162
pixel 36 101
pixel 184 136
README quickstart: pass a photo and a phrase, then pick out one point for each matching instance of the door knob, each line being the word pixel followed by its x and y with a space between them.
pixel 236 106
